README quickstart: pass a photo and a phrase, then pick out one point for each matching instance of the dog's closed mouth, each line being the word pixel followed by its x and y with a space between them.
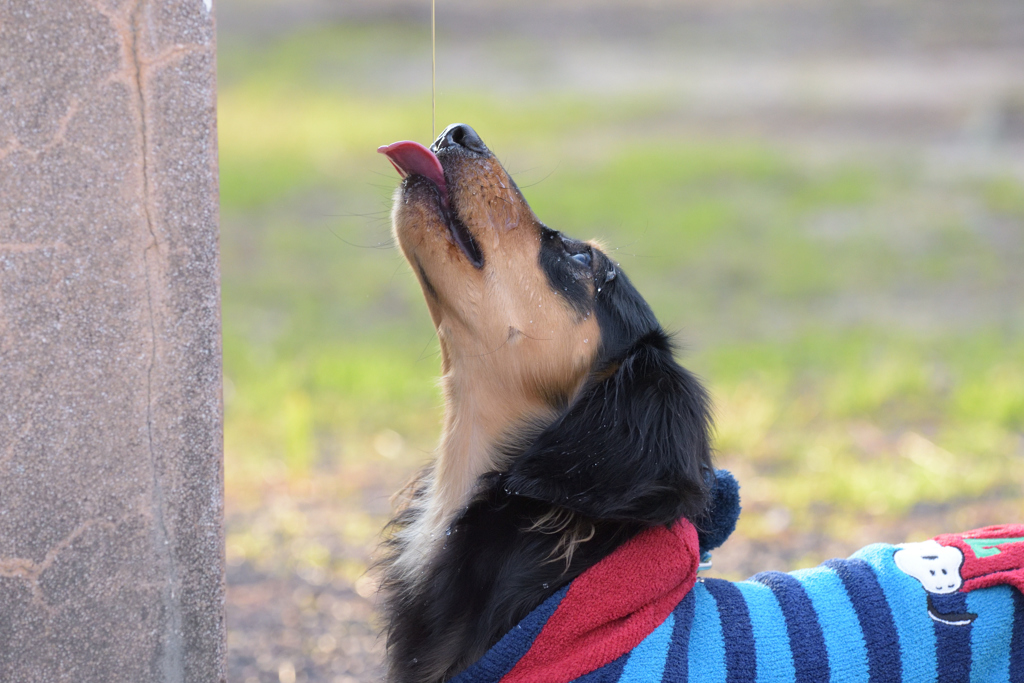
pixel 411 158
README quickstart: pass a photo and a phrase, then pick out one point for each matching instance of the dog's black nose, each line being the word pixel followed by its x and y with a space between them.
pixel 459 135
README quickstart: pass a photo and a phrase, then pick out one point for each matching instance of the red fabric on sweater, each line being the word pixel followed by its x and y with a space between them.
pixel 990 564
pixel 603 617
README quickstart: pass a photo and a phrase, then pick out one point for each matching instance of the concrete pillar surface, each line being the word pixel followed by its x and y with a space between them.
pixel 111 485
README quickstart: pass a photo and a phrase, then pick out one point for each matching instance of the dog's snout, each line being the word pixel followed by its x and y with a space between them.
pixel 459 135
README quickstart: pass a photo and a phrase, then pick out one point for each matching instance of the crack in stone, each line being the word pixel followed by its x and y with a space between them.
pixel 128 26
pixel 125 28
pixel 176 52
pixel 30 571
pixel 19 568
pixel 171 657
pixel 58 136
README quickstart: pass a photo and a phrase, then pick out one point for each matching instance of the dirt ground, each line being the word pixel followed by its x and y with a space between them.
pixel 304 611
pixel 918 74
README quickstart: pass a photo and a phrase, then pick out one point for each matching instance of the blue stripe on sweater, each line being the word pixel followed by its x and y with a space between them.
pixel 1017 640
pixel 647 661
pixel 916 635
pixel 952 643
pixel 875 616
pixel 771 642
pixel 737 633
pixel 677 662
pixel 844 640
pixel 810 658
pixel 707 649
pixel 500 659
pixel 609 673
pixel 990 650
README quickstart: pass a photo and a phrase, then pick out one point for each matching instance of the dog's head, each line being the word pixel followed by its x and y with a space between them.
pixel 546 343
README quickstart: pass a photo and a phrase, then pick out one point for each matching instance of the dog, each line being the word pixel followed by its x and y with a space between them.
pixel 573 442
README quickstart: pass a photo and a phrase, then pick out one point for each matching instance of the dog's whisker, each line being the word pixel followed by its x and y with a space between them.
pixel 424 350
pixel 491 352
pixel 538 182
pixel 388 245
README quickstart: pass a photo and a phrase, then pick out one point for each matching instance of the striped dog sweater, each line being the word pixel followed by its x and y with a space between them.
pixel 950 610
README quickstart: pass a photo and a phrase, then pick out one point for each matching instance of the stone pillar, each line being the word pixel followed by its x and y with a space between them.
pixel 111 485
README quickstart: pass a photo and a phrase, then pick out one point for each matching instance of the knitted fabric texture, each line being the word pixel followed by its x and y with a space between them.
pixel 949 610
pixel 715 526
pixel 992 555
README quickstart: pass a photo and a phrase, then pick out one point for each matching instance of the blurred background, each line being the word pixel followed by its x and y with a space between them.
pixel 823 199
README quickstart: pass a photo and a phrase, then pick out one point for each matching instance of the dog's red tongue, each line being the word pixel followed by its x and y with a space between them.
pixel 412 158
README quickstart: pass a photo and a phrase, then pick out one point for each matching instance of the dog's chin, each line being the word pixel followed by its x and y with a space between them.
pixel 425 215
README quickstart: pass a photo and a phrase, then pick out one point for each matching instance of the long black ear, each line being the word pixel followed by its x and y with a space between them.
pixel 634 446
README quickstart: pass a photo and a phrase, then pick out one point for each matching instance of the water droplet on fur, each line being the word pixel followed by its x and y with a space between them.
pixel 586 341
pixel 448 531
pixel 544 585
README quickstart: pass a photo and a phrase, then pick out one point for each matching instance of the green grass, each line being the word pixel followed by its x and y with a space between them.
pixel 857 320
pixel 865 421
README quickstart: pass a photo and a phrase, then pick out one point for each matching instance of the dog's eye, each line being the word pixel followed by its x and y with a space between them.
pixel 582 258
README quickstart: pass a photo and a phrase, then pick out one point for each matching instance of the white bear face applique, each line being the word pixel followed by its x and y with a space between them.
pixel 936 566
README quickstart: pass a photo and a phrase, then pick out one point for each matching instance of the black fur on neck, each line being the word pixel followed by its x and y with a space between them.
pixel 490 572
pixel 631 451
